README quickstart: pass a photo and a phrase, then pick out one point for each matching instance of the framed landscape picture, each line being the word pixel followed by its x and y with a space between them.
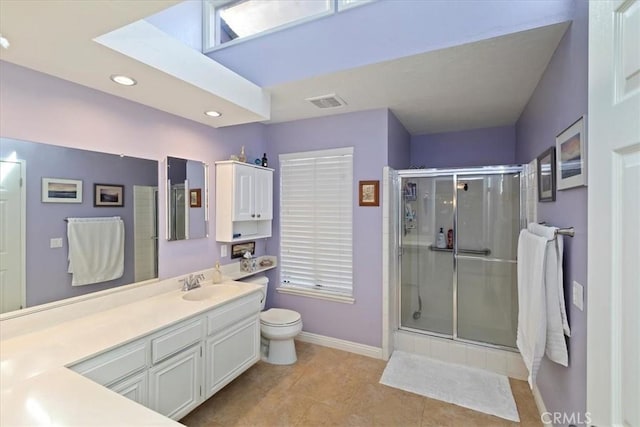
pixel 547 176
pixel 108 195
pixel 571 152
pixel 59 190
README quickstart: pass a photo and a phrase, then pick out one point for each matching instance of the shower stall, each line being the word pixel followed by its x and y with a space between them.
pixel 458 243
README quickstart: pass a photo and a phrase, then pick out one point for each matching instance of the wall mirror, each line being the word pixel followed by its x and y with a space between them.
pixel 34 226
pixel 187 199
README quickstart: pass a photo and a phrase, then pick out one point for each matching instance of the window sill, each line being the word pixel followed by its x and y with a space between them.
pixel 318 295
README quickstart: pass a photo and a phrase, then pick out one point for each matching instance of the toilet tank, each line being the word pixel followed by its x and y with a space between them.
pixel 262 281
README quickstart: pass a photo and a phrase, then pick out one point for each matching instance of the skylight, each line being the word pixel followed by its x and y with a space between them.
pixel 228 21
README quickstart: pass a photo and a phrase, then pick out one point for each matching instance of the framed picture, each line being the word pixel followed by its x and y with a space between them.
pixel 238 250
pixel 108 195
pixel 571 149
pixel 547 176
pixel 195 198
pixel 369 194
pixel 58 190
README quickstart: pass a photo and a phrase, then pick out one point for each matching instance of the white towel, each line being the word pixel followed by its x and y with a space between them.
pixel 532 319
pixel 96 249
pixel 557 323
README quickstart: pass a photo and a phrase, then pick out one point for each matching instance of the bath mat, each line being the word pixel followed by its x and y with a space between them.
pixel 461 385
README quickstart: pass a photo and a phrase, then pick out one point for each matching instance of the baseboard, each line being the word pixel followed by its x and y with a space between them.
pixel 537 397
pixel 352 347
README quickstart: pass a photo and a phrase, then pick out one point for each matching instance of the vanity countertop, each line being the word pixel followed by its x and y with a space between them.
pixel 36 388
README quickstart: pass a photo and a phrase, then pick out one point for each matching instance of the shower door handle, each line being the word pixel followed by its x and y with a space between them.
pixel 485 251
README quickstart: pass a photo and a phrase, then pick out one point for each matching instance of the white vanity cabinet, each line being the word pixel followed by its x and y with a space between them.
pixel 244 201
pixel 175 369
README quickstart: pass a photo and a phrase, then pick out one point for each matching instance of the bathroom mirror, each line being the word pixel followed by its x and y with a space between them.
pixel 37 226
pixel 187 199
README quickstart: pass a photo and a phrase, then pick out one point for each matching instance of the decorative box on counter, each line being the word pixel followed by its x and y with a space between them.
pixel 248 263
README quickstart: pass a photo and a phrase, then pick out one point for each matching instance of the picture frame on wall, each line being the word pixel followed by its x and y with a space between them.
pixel 571 152
pixel 195 198
pixel 369 193
pixel 108 195
pixel 60 190
pixel 546 171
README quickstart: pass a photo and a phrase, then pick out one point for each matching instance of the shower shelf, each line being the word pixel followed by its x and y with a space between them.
pixel 485 252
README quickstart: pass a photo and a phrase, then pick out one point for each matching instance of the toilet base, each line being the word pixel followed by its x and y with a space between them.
pixel 279 352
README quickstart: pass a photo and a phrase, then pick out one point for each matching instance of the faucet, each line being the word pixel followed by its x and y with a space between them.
pixel 191 282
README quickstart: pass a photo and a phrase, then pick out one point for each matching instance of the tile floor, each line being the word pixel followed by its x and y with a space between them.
pixel 330 387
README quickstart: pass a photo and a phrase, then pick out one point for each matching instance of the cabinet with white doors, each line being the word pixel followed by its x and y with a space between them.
pixel 174 370
pixel 244 201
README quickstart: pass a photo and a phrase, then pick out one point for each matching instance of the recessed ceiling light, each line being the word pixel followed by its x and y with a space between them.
pixel 123 80
pixel 212 113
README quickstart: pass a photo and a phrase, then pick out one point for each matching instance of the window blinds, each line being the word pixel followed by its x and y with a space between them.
pixel 316 191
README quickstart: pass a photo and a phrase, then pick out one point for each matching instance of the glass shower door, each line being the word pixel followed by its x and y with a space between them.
pixel 488 223
pixel 426 285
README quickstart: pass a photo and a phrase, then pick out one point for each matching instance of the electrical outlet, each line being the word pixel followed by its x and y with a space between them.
pixel 578 295
pixel 223 251
pixel 55 243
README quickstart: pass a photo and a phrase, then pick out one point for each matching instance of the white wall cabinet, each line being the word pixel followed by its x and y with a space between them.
pixel 167 372
pixel 244 201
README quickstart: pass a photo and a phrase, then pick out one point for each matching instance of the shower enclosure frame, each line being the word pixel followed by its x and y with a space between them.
pixel 454 173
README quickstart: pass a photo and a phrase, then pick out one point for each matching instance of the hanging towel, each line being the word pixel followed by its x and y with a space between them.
pixel 532 319
pixel 557 323
pixel 96 249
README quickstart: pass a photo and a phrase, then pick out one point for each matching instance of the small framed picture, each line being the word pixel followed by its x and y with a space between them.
pixel 547 176
pixel 369 193
pixel 58 190
pixel 108 195
pixel 195 198
pixel 238 250
pixel 571 149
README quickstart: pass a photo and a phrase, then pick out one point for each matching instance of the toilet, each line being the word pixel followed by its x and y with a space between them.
pixel 278 327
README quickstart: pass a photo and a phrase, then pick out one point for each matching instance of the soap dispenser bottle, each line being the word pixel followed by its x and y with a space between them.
pixel 217 274
pixel 441 243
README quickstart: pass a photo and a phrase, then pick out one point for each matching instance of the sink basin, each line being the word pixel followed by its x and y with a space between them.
pixel 213 291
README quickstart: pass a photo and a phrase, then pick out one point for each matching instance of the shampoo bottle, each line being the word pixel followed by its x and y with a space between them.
pixel 440 241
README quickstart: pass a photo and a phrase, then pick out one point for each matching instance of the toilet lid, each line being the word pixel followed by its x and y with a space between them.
pixel 279 316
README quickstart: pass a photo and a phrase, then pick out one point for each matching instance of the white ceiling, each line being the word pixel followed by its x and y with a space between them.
pixel 476 85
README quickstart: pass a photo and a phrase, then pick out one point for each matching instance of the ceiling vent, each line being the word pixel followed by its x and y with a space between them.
pixel 327 101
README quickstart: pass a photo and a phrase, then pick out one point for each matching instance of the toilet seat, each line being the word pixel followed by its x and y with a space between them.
pixel 279 317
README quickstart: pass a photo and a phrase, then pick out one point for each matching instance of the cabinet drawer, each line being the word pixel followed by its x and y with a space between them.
pixel 114 365
pixel 232 313
pixel 175 340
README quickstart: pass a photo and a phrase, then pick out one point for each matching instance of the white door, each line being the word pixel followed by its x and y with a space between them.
pixel 613 321
pixel 12 295
pixel 243 187
pixel 133 388
pixel 264 194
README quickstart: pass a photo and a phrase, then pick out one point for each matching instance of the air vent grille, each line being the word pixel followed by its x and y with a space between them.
pixel 327 101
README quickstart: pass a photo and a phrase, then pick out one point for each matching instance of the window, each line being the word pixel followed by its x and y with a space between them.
pixel 228 20
pixel 316 204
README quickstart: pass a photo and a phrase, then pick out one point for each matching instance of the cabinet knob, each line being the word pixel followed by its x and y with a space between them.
pixel 258 215
pixel 253 215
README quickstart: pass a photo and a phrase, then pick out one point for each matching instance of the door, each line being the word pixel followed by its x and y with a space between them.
pixel 613 321
pixel 174 385
pixel 244 193
pixel 145 232
pixel 488 223
pixel 426 270
pixel 12 289
pixel 263 194
pixel 133 388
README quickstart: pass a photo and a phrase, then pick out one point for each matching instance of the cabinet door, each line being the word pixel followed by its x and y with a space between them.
pixel 134 388
pixel 264 194
pixel 244 191
pixel 230 353
pixel 174 385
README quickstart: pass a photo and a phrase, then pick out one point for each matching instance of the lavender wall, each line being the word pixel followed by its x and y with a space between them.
pixel 182 21
pixel 341 41
pixel 367 132
pixel 41 108
pixel 477 147
pixel 559 100
pixel 399 143
pixel 46 273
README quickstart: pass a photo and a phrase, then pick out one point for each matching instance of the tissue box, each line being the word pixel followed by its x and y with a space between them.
pixel 248 264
